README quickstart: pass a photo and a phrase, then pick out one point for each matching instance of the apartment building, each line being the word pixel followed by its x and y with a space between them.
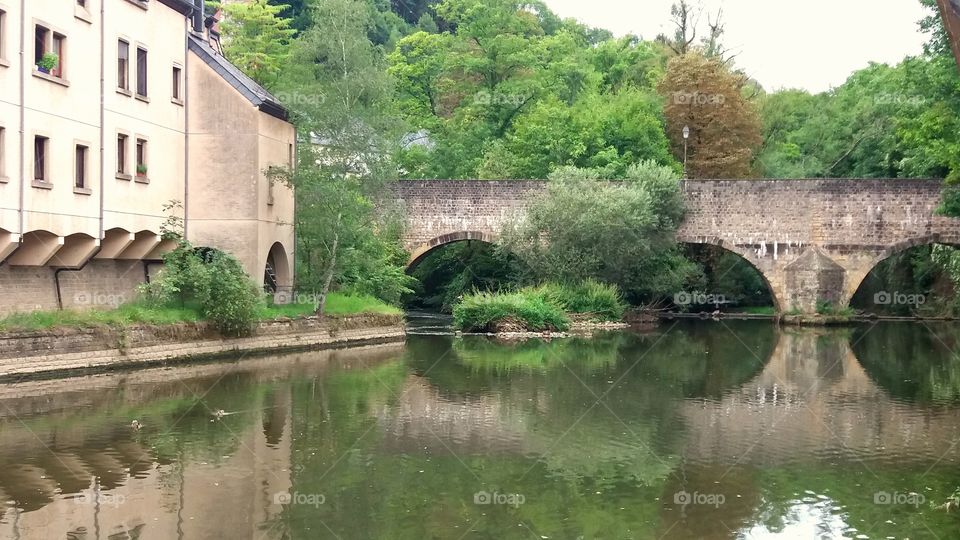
pixel 111 110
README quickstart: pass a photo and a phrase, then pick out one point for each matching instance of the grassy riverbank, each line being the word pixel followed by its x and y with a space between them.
pixel 338 304
pixel 547 307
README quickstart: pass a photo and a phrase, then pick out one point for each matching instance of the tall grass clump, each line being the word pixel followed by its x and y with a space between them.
pixel 493 312
pixel 599 301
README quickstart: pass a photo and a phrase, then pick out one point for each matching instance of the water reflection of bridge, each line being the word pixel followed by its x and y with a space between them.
pixel 53 471
pixel 814 398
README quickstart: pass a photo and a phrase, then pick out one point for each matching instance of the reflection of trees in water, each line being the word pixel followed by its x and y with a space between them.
pixel 913 362
pixel 634 433
pixel 570 448
pixel 335 412
pixel 378 493
pixel 582 355
pixel 695 360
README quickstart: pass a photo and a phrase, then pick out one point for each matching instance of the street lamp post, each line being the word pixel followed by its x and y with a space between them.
pixel 686 136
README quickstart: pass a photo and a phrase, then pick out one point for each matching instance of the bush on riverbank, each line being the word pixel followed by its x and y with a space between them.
pixel 539 308
pixel 214 281
pixel 508 312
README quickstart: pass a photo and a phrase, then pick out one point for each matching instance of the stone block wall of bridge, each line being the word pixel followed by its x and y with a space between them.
pixel 813 240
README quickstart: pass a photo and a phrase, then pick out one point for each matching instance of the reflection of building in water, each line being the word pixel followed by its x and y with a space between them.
pixel 813 398
pixel 82 480
pixel 120 490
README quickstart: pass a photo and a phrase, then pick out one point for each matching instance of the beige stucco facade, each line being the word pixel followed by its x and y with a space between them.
pixel 138 111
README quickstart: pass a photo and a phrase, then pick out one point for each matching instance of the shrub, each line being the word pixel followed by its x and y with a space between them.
pixel 212 280
pixel 229 298
pixel 484 311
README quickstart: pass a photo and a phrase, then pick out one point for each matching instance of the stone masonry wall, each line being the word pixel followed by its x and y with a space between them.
pixel 102 283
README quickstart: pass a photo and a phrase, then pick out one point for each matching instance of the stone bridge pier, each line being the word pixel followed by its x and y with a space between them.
pixel 812 240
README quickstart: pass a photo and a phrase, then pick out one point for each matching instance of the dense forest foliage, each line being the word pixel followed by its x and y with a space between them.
pixel 508 89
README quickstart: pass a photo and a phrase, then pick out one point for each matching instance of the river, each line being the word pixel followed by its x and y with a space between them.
pixel 694 429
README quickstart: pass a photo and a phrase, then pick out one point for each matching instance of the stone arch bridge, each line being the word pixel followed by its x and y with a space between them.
pixel 812 240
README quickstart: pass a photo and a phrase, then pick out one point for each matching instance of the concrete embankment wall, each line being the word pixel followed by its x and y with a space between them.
pixel 66 350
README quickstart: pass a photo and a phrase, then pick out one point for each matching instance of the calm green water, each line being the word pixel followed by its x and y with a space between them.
pixel 699 430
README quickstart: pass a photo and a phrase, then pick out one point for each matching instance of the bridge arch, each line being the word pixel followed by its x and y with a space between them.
pixel 859 276
pixel 767 275
pixel 421 252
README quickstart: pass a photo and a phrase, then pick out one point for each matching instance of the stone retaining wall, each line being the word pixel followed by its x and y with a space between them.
pixel 67 349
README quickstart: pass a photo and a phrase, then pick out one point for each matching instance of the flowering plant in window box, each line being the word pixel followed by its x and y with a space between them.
pixel 141 170
pixel 47 62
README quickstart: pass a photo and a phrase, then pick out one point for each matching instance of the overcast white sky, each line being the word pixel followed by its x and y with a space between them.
pixel 810 44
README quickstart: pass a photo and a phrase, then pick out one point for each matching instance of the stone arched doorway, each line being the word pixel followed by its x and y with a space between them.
pixel 277 276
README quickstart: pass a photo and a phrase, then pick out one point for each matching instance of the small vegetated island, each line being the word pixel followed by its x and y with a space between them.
pixel 550 307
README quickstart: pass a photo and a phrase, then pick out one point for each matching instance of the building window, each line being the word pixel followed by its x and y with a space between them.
pixel 123 65
pixel 46 43
pixel 141 72
pixel 122 154
pixel 3 152
pixel 59 48
pixel 80 177
pixel 3 34
pixel 82 11
pixel 177 83
pixel 40 35
pixel 141 157
pixel 40 158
